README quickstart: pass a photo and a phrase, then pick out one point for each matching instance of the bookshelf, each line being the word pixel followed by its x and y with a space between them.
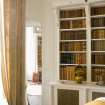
pixel 81 43
pixel 98 43
pixel 39 53
pixel 72 42
pixel 80 40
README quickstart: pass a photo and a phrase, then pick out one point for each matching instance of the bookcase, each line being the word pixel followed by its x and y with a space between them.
pixel 39 52
pixel 82 42
pixel 98 42
pixel 72 42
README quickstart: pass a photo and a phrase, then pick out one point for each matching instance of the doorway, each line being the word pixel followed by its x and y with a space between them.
pixel 33 49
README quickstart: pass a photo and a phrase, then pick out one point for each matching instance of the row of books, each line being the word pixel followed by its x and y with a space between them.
pixel 98 22
pixel 73 46
pixel 66 13
pixel 98 74
pixel 68 72
pixel 69 24
pixel 98 10
pixel 72 58
pixel 39 52
pixel 73 35
pixel 98 45
pixel 98 58
pixel 72 13
pixel 99 33
pixel 79 23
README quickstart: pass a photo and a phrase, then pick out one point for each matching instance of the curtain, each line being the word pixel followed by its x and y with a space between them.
pixel 13 52
pixel 3 100
pixel 5 55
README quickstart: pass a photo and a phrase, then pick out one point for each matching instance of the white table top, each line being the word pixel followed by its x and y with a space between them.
pixel 34 89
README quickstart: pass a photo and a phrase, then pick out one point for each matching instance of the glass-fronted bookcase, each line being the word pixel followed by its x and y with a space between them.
pixel 82 42
pixel 98 42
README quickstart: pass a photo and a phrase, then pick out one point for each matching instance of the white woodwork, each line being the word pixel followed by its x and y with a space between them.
pixel 88 37
pixel 85 90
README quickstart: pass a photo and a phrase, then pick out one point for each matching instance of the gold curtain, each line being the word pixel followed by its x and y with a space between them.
pixel 13 51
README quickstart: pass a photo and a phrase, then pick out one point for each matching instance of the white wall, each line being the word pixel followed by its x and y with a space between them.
pixel 34 10
pixel 48 51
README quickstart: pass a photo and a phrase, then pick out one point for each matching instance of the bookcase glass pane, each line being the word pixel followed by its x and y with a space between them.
pixel 98 58
pixel 73 35
pixel 72 42
pixel 98 45
pixel 98 22
pixel 98 73
pixel 69 24
pixel 73 58
pixel 98 34
pixel 65 24
pixel 97 95
pixel 73 46
pixel 100 10
pixel 68 97
pixel 72 13
pixel 68 72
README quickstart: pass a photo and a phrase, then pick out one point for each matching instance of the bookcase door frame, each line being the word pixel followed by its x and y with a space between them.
pixel 56 10
pixel 90 91
pixel 88 52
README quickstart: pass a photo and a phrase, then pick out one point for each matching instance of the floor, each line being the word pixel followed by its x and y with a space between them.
pixel 34 93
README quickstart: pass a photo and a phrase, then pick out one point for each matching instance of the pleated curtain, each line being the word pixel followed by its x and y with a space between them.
pixel 13 51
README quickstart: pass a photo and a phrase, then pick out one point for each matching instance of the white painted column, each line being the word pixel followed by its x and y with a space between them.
pixel 88 37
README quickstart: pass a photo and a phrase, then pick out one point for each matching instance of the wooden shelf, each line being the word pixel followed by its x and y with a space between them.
pixel 97 16
pixel 72 64
pixel 72 51
pixel 74 29
pixel 95 28
pixel 98 39
pixel 72 40
pixel 97 65
pixel 75 18
pixel 98 51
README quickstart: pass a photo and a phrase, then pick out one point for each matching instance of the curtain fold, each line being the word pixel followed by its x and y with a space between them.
pixel 13 51
pixel 4 63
